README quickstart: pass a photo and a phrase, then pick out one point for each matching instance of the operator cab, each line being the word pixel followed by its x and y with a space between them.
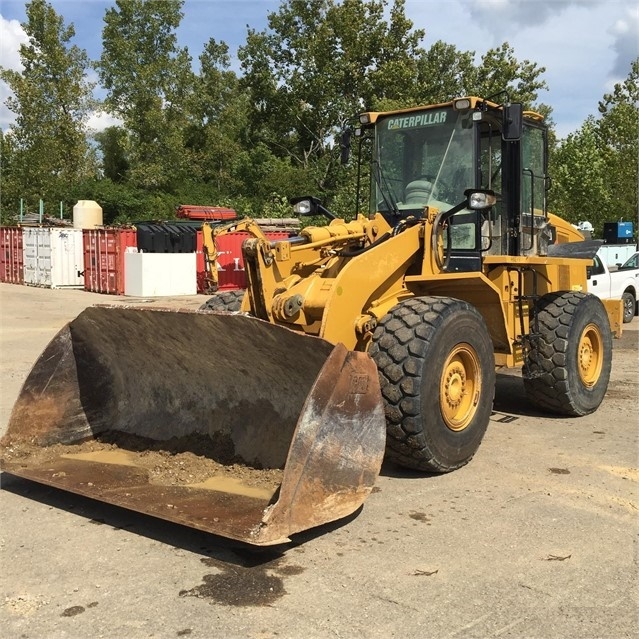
pixel 425 159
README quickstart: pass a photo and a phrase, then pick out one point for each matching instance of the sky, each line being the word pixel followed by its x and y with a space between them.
pixel 586 46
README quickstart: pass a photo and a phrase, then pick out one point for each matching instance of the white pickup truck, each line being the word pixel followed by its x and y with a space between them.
pixel 620 284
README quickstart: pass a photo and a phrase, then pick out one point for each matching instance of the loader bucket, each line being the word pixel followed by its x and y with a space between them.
pixel 220 422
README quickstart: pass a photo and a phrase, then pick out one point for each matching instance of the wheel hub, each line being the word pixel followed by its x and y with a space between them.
pixel 590 355
pixel 455 386
pixel 585 356
pixel 460 387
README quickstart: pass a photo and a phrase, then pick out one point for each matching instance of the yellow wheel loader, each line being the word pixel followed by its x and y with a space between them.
pixel 262 416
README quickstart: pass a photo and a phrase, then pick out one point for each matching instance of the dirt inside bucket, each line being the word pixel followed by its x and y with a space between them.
pixel 178 461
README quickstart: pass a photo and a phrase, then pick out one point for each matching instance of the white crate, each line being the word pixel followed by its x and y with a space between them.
pixel 159 274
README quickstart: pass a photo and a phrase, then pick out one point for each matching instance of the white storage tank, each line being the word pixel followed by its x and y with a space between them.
pixel 53 257
pixel 87 214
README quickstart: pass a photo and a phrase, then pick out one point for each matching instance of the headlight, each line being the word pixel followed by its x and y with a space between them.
pixel 461 104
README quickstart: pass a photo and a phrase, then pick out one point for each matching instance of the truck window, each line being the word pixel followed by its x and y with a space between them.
pixel 597 266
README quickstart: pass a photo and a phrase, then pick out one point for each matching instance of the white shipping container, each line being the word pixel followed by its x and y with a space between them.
pixel 53 257
pixel 159 274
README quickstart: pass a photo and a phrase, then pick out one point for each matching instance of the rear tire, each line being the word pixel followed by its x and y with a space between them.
pixel 229 301
pixel 568 367
pixel 629 305
pixel 437 374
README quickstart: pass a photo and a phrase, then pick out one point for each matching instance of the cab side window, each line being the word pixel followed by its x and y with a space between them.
pixel 534 171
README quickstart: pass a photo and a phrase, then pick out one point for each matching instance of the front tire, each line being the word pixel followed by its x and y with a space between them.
pixel 437 374
pixel 229 301
pixel 629 305
pixel 567 368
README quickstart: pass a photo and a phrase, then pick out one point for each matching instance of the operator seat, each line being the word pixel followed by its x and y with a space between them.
pixel 419 192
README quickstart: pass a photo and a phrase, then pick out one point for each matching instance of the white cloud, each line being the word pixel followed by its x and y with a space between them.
pixel 584 45
pixel 500 16
pixel 625 32
pixel 12 36
pixel 101 120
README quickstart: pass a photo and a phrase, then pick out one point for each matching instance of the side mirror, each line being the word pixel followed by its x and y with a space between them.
pixel 480 199
pixel 511 128
pixel 307 206
pixel 588 272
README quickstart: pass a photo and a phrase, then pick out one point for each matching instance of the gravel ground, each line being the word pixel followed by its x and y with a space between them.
pixel 536 537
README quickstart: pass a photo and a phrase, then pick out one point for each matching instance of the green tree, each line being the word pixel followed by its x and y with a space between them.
pixel 112 143
pixel 9 190
pixel 148 79
pixel 52 99
pixel 217 122
pixel 618 135
pixel 579 189
pixel 320 62
pixel 443 73
pixel 595 170
pixel 323 61
pixel 499 70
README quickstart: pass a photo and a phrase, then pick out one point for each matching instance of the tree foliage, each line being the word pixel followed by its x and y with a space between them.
pixel 595 169
pixel 619 144
pixel 148 79
pixel 46 151
pixel 113 143
pixel 319 63
pixel 209 135
pixel 580 192
pixel 218 111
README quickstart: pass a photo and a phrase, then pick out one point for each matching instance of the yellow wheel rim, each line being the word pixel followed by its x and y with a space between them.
pixel 460 387
pixel 590 355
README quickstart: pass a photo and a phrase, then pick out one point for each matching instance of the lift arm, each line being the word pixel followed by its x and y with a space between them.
pixel 210 233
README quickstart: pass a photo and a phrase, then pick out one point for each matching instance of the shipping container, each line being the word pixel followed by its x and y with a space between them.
pixel 53 257
pixel 11 255
pixel 104 258
pixel 230 262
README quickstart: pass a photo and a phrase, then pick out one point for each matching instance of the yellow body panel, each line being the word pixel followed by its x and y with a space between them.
pixel 320 287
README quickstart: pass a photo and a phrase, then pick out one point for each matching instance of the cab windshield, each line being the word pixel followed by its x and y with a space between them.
pixel 422 158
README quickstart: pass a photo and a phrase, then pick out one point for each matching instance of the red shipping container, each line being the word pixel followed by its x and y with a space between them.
pixel 230 272
pixel 11 255
pixel 104 258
